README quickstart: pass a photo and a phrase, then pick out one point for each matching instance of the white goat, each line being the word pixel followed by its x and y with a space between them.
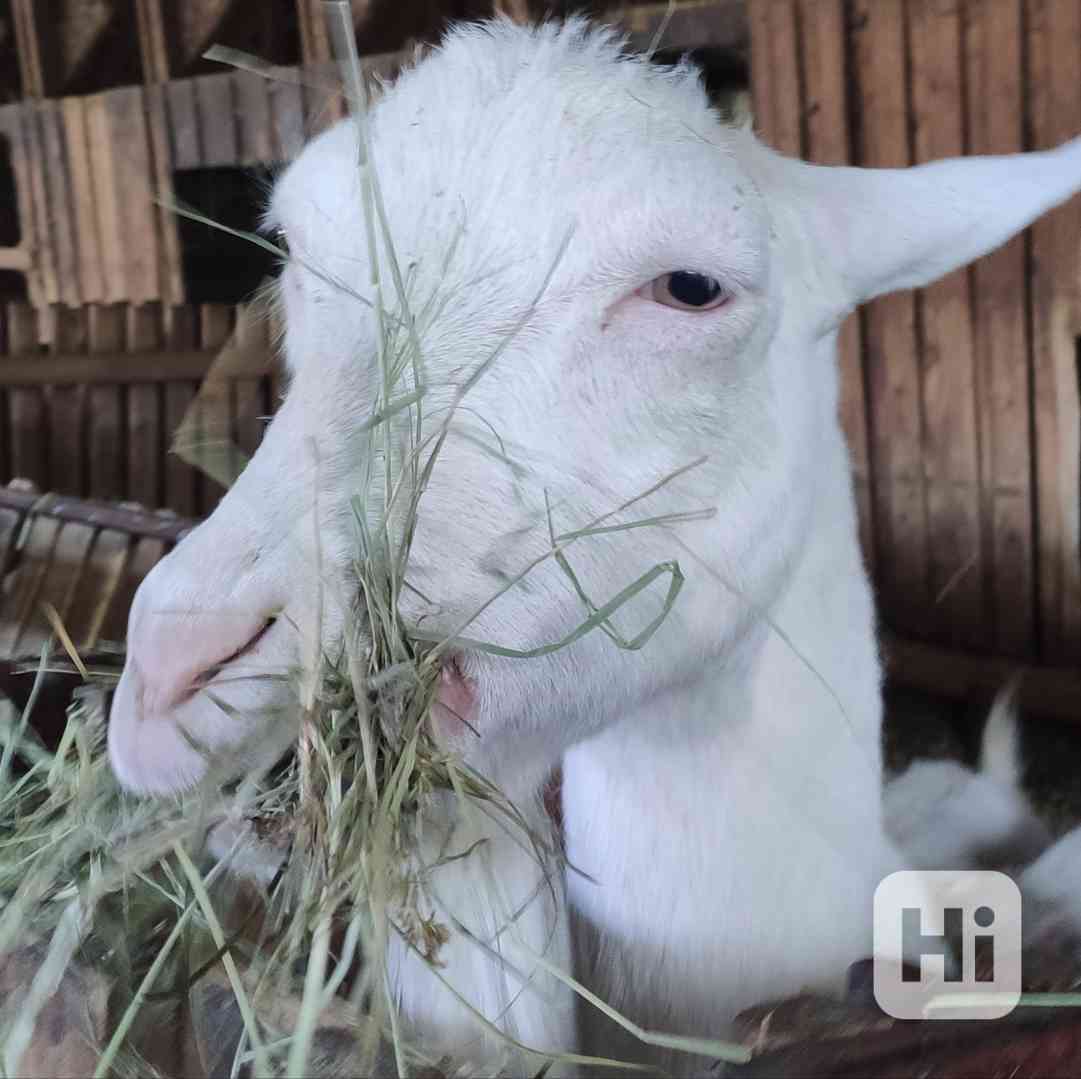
pixel 721 788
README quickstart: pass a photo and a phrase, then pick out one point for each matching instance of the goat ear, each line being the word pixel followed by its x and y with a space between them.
pixel 874 231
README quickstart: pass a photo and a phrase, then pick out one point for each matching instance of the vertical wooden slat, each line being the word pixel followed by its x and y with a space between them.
pixel 29 438
pixel 761 69
pixel 995 125
pixel 84 214
pixel 29 47
pixel 95 592
pixel 253 116
pixel 893 371
pixel 171 268
pixel 60 202
pixel 105 459
pixel 131 144
pixel 950 451
pixel 66 412
pixel 65 572
pixel 145 443
pixel 103 168
pixel 184 124
pixel 314 40
pixel 181 480
pixel 1055 115
pixel 786 125
pixel 822 25
pixel 153 41
pixel 217 120
pixel 44 225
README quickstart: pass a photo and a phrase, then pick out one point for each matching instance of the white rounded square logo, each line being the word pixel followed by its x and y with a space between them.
pixel 947 945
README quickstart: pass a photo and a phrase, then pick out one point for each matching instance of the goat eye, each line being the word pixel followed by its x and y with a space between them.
pixel 685 290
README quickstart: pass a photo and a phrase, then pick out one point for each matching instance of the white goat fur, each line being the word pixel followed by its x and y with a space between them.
pixel 721 787
pixel 943 815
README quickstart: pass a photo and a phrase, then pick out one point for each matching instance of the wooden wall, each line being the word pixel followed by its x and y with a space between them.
pixel 960 401
pixel 81 419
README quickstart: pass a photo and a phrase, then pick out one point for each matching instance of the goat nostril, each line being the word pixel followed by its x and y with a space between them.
pixel 206 676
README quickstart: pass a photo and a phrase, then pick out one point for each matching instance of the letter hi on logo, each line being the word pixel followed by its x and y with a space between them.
pixel 947 945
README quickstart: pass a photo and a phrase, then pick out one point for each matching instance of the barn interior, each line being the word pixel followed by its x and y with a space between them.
pixel 960 402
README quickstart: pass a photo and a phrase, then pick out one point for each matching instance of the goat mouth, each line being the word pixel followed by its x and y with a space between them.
pixel 213 675
pixel 455 705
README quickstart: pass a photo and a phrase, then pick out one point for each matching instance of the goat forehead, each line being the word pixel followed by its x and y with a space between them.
pixel 520 131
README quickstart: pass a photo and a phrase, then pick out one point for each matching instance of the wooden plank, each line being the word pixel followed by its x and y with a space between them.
pixel 949 372
pixel 1046 692
pixel 105 183
pixel 145 441
pixel 217 120
pixel 171 268
pixel 784 72
pixel 184 124
pixel 181 480
pixel 287 109
pixel 66 572
pixel 761 68
pixel 993 51
pixel 105 459
pixel 28 45
pixel 891 355
pixel 28 452
pixel 314 39
pixel 110 368
pixel 253 117
pixel 66 411
pixel 60 202
pixel 84 214
pixel 822 25
pixel 1055 115
pixel 44 225
pixel 96 591
pixel 153 41
pixel 131 145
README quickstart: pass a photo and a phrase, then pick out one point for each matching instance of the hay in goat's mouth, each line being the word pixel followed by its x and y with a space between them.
pixel 127 886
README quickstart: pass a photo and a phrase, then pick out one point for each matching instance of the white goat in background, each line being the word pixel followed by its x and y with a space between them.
pixel 721 788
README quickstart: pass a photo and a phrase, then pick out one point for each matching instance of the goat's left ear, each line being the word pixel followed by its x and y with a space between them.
pixel 873 231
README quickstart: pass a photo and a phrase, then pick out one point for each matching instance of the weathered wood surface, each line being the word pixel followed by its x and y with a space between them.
pixel 960 401
pixel 83 558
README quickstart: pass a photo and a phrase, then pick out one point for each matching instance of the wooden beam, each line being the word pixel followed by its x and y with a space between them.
pixel 135 522
pixel 1049 692
pixel 114 368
